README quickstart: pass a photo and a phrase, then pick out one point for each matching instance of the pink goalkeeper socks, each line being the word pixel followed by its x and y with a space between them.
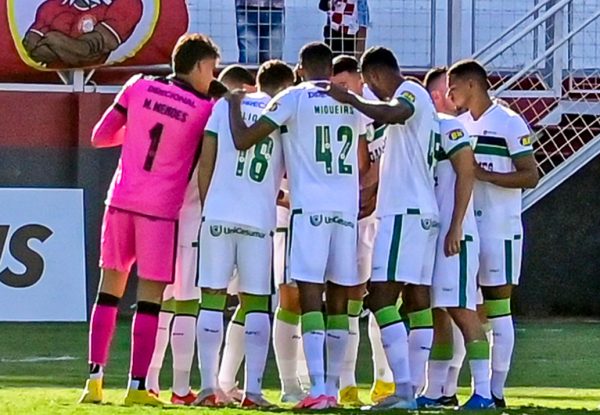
pixel 102 328
pixel 143 338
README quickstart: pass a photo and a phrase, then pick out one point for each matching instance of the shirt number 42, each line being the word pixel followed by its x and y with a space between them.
pixel 323 149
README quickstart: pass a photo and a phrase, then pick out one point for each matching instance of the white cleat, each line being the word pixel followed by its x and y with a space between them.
pixel 392 402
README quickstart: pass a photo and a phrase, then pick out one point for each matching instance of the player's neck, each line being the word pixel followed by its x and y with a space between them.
pixel 188 80
pixel 269 91
pixel 480 106
pixel 395 81
pixel 316 76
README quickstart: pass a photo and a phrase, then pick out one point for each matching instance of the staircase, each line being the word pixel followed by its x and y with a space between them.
pixel 556 87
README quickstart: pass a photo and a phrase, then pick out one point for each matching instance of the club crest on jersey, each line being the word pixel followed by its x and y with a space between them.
pixel 525 140
pixel 456 134
pixel 409 96
pixel 316 220
pixel 216 230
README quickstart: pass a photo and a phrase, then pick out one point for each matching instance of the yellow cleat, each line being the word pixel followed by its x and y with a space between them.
pixel 142 397
pixel 349 397
pixel 382 390
pixel 92 392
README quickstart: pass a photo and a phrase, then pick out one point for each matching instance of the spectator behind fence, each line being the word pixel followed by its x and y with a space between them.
pixel 260 30
pixel 346 28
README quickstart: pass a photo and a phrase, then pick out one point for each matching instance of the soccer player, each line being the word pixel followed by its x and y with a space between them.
pixel 505 166
pixel 407 210
pixel 322 165
pixel 347 75
pixel 290 359
pixel 249 176
pixel 287 340
pixel 454 285
pixel 159 123
pixel 180 305
pixel 234 77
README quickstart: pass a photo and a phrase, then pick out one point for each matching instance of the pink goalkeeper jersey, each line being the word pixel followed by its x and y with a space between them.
pixel 165 119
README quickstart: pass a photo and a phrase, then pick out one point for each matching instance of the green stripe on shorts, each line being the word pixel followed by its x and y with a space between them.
pixel 394 248
pixel 463 272
pixel 508 259
pixel 289 238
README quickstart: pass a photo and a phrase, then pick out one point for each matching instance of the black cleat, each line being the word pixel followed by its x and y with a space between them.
pixel 500 402
pixel 449 401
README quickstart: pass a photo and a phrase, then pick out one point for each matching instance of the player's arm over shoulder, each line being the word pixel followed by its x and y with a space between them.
pixel 277 112
pixel 396 111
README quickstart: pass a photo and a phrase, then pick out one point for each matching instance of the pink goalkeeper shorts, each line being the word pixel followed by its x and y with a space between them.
pixel 129 237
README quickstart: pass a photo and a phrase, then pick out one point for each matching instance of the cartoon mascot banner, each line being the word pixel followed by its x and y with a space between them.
pixel 66 34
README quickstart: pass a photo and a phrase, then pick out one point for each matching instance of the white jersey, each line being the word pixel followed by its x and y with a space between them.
pixel 245 183
pixel 320 147
pixel 190 214
pixel 453 138
pixel 375 131
pixel 406 182
pixel 501 136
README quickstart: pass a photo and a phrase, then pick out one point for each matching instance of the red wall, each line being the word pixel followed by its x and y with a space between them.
pixel 52 119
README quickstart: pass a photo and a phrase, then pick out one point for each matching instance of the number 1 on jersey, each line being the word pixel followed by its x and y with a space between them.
pixel 155 134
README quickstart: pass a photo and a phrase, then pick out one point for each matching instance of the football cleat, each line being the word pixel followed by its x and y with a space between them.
pixel 294 396
pixel 207 398
pixel 92 393
pixel 333 402
pixel 349 397
pixel 319 402
pixel 393 402
pixel 381 390
pixel 255 401
pixel 142 397
pixel 499 402
pixel 449 401
pixel 423 402
pixel 478 402
pixel 186 400
pixel 234 394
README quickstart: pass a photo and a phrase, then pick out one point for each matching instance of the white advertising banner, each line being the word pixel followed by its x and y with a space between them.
pixel 42 255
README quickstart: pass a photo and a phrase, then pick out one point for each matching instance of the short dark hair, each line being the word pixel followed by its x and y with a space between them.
pixel 345 63
pixel 470 68
pixel 237 74
pixel 378 56
pixel 316 56
pixel 433 75
pixel 274 74
pixel 190 49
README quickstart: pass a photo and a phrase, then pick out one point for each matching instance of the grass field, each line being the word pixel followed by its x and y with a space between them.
pixel 556 371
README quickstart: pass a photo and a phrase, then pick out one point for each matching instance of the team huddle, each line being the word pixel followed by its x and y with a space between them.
pixel 342 185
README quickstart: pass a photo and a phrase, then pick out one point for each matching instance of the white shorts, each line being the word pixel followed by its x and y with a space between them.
pixel 500 261
pixel 405 248
pixel 322 248
pixel 455 278
pixel 367 229
pixel 186 262
pixel 223 246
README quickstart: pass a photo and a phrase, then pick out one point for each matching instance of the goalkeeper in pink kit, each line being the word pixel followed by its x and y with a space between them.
pixel 159 121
